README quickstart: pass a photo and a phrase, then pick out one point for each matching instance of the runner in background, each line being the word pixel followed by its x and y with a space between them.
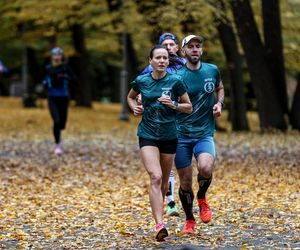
pixel 57 80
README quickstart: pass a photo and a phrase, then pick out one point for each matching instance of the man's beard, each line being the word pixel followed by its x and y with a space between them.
pixel 192 60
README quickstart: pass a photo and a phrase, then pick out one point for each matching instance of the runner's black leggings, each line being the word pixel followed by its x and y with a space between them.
pixel 58 106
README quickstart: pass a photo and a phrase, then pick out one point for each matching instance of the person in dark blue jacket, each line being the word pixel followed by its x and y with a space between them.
pixel 170 41
pixel 58 78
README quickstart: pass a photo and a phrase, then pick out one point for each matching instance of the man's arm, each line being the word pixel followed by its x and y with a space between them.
pixel 217 109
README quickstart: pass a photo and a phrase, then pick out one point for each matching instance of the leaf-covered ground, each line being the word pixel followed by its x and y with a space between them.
pixel 95 195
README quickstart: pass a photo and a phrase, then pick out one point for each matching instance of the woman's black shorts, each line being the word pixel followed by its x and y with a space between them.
pixel 164 146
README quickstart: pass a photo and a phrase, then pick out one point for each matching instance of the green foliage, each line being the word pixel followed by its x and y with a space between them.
pixel 144 20
pixel 291 34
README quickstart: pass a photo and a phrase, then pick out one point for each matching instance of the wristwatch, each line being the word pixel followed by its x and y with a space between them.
pixel 222 104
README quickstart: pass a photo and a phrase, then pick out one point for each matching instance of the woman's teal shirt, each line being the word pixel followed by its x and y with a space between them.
pixel 158 121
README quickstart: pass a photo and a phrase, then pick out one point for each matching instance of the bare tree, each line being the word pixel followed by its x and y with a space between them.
pixel 271 112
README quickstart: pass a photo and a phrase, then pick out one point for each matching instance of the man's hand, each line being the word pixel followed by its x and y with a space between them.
pixel 217 110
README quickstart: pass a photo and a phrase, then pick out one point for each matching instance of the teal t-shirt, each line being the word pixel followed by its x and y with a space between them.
pixel 158 121
pixel 200 84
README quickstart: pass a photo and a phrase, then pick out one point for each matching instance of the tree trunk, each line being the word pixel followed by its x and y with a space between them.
pixel 271 112
pixel 132 62
pixel 238 115
pixel 30 76
pixel 274 48
pixel 27 99
pixel 295 111
pixel 131 59
pixel 33 70
pixel 83 95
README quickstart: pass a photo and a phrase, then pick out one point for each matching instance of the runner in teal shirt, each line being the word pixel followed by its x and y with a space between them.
pixel 196 130
pixel 157 131
pixel 170 41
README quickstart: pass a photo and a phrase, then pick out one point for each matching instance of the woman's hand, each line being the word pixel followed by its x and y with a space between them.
pixel 138 110
pixel 166 100
pixel 139 99
pixel 134 101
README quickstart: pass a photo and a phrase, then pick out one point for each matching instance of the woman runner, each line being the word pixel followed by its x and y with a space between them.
pixel 157 132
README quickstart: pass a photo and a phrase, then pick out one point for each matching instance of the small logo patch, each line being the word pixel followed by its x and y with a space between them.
pixel 209 87
pixel 166 92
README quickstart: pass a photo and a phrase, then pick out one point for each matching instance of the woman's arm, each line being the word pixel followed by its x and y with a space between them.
pixel 134 106
pixel 184 105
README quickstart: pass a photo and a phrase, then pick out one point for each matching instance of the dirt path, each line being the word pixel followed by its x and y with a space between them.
pixel 95 197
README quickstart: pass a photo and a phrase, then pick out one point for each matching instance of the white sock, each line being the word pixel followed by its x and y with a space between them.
pixel 170 193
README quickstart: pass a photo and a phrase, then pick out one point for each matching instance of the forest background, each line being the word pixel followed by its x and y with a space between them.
pixel 255 44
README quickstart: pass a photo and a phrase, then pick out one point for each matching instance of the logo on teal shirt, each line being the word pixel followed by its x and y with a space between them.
pixel 166 92
pixel 209 86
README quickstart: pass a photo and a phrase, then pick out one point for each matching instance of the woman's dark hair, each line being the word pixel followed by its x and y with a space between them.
pixel 173 59
pixel 158 46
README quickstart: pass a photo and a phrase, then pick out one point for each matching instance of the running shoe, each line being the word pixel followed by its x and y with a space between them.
pixel 161 231
pixel 205 212
pixel 172 209
pixel 58 150
pixel 189 227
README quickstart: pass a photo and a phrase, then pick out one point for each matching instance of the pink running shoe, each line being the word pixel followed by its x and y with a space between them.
pixel 161 231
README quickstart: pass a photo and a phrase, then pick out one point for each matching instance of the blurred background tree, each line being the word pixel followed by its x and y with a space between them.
pixel 256 45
